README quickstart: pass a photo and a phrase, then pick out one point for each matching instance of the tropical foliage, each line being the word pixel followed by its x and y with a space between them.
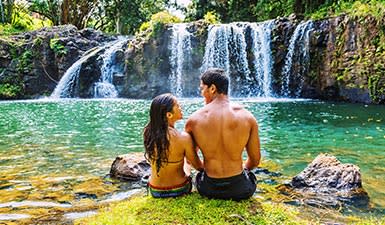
pixel 259 10
pixel 126 17
pixel 157 22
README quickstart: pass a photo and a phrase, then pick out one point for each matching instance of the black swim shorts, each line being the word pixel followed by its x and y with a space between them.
pixel 237 187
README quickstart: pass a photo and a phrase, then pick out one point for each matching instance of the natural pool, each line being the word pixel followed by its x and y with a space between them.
pixel 55 154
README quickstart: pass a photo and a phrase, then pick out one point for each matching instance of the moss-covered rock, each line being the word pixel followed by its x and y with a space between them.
pixel 353 60
pixel 32 63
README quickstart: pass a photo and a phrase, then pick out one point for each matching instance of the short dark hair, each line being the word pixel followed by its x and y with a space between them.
pixel 217 77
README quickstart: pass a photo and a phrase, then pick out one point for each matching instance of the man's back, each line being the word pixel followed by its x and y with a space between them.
pixel 222 131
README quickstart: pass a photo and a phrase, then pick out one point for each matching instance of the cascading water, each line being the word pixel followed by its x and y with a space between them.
pixel 226 48
pixel 261 37
pixel 217 48
pixel 238 57
pixel 180 54
pixel 300 41
pixel 224 43
pixel 68 83
pixel 104 88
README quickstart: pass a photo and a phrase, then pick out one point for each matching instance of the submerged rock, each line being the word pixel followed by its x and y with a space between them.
pixel 328 182
pixel 131 167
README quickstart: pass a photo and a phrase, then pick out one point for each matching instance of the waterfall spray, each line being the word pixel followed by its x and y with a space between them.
pixel 180 51
pixel 298 42
pixel 104 88
pixel 261 36
pixel 226 48
pixel 67 84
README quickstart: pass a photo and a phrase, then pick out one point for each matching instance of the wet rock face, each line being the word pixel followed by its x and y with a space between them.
pixel 346 61
pixel 130 167
pixel 328 182
pixel 37 60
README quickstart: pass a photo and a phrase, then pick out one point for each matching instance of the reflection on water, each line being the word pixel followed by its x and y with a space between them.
pixel 55 154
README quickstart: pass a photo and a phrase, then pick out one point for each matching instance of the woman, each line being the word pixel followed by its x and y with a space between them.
pixel 166 149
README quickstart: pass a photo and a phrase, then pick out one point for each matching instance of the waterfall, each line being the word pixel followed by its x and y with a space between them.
pixel 298 42
pixel 69 82
pixel 180 55
pixel 261 37
pixel 227 43
pixel 238 57
pixel 217 48
pixel 227 48
pixel 104 88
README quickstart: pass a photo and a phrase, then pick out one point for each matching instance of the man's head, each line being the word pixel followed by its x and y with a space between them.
pixel 214 81
pixel 217 77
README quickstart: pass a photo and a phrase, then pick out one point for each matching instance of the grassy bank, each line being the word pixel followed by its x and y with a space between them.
pixel 194 209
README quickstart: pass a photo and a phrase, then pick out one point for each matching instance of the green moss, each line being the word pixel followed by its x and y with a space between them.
pixel 9 91
pixel 38 41
pixel 376 86
pixel 58 48
pixel 338 73
pixel 25 62
pixel 13 51
pixel 364 67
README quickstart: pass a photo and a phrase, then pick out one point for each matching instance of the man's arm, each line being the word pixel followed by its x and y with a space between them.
pixel 191 154
pixel 253 146
pixel 188 129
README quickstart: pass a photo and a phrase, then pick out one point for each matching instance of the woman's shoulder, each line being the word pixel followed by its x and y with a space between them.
pixel 179 135
pixel 184 135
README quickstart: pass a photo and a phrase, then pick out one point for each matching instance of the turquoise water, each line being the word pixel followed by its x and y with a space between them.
pixel 59 151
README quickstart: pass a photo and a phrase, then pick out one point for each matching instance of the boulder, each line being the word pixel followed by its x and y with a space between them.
pixel 130 167
pixel 328 182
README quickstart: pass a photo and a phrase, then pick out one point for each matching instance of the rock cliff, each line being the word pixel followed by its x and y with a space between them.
pixel 346 61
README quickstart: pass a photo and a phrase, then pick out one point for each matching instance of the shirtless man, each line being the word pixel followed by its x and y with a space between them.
pixel 222 131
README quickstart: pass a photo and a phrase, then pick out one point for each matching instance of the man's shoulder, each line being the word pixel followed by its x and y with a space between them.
pixel 197 114
pixel 240 108
pixel 237 107
pixel 242 111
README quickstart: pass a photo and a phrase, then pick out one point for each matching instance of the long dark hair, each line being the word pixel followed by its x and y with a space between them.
pixel 155 135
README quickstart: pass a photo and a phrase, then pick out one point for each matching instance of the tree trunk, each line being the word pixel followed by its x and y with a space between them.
pixel 118 24
pixel 2 12
pixel 9 11
pixel 64 17
pixel 299 7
